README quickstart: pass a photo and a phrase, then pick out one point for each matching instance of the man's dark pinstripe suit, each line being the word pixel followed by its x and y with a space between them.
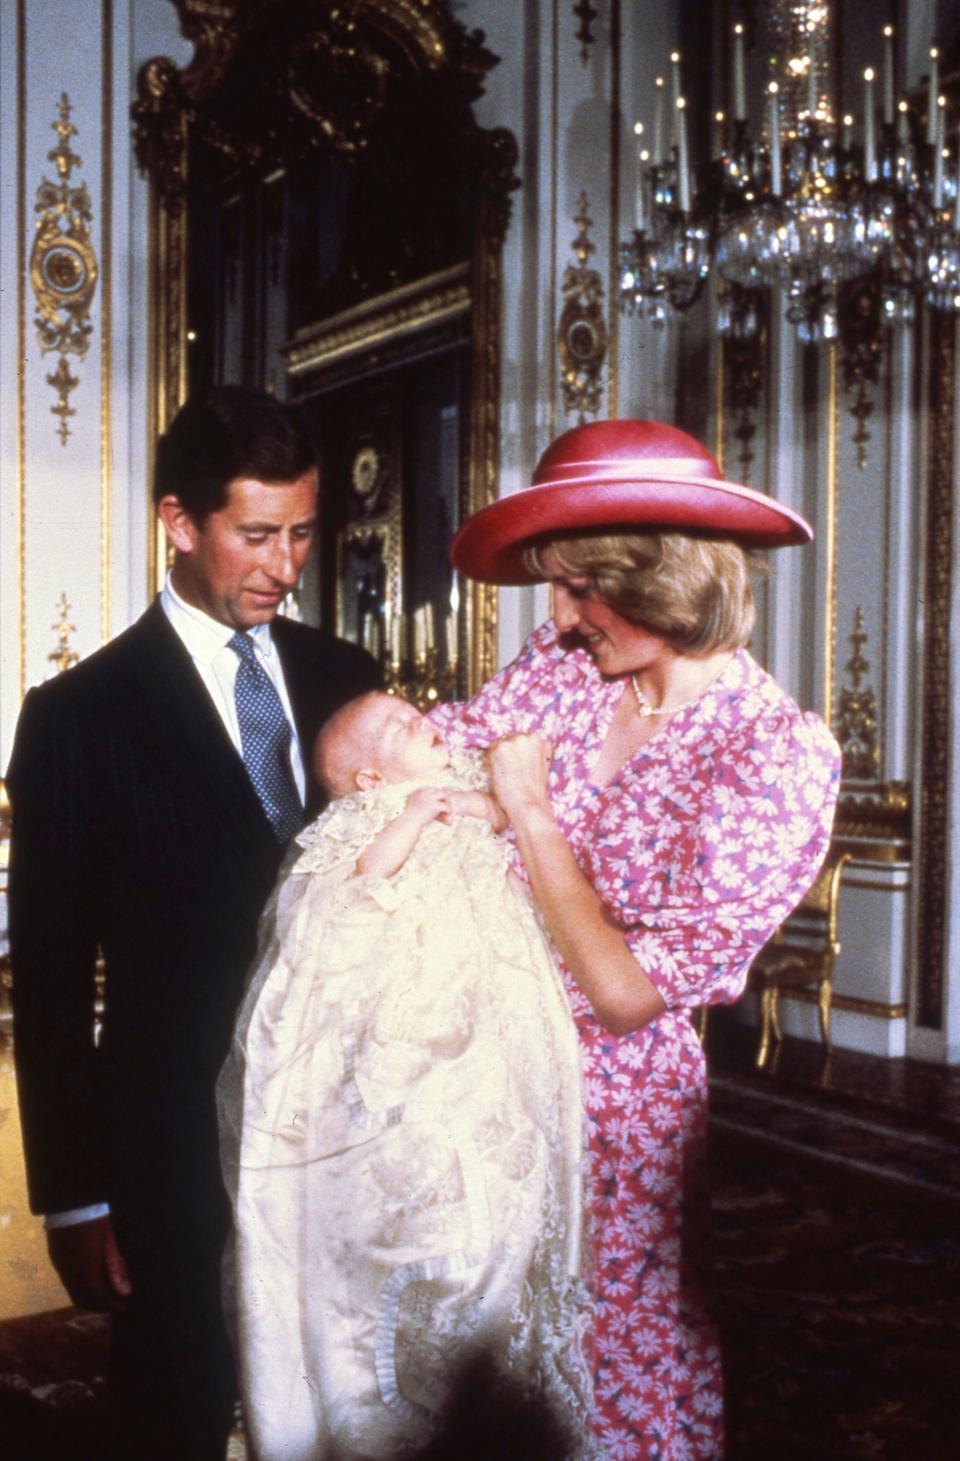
pixel 136 828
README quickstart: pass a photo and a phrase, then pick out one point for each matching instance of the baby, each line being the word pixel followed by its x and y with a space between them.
pixel 400 1116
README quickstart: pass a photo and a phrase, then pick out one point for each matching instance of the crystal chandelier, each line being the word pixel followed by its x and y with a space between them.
pixel 795 201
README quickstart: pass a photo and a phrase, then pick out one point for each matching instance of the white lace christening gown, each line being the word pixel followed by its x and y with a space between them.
pixel 401 1136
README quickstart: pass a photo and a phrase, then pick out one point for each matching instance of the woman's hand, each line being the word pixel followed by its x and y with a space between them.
pixel 519 766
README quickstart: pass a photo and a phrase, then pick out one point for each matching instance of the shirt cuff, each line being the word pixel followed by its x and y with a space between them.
pixel 76 1215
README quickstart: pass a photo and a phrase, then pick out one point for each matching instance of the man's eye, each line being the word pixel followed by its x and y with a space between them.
pixel 254 538
pixel 303 535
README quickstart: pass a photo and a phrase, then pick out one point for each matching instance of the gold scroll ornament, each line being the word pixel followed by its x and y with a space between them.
pixel 63 266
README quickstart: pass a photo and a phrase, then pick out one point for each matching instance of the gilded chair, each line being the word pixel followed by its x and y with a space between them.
pixel 801 955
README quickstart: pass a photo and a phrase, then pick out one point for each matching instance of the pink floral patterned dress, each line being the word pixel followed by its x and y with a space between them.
pixel 699 847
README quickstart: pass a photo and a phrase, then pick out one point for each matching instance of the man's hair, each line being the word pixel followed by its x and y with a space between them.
pixel 693 592
pixel 336 756
pixel 225 433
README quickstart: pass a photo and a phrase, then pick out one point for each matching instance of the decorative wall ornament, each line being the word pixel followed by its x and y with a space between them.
pixel 63 266
pixel 857 717
pixel 863 347
pixel 63 656
pixel 582 332
pixel 744 346
pixel 586 14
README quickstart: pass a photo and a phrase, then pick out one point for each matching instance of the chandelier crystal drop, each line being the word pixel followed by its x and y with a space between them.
pixel 798 202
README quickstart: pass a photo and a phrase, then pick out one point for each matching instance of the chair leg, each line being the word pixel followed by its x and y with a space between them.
pixel 763 1049
pixel 775 1015
pixel 825 1000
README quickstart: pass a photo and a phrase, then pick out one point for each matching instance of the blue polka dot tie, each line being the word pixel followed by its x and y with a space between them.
pixel 265 739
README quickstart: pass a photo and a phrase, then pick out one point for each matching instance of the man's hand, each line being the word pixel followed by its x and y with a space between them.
pixel 90 1265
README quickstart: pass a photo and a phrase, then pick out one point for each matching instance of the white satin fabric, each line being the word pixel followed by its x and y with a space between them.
pixel 401 1136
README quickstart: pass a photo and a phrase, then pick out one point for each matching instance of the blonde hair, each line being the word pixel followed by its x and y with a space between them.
pixel 693 592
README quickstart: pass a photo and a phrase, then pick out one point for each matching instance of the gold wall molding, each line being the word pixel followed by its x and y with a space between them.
pixel 857 725
pixel 63 657
pixel 63 265
pixel 582 330
pixel 435 300
pixel 935 728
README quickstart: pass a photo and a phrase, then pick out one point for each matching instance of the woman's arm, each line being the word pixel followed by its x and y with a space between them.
pixel 391 847
pixel 593 948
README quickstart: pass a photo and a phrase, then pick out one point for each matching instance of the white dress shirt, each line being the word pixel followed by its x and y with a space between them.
pixel 206 640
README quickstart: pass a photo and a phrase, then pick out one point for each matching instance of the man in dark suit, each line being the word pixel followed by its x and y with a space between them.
pixel 154 787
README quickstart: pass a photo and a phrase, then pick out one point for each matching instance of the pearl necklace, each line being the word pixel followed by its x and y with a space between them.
pixel 646 709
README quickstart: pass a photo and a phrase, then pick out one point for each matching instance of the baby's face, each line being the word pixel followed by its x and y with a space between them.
pixel 406 746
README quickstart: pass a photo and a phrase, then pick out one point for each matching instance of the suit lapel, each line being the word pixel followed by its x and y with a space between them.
pixel 182 710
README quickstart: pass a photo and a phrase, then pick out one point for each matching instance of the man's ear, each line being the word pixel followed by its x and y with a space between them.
pixel 368 779
pixel 180 527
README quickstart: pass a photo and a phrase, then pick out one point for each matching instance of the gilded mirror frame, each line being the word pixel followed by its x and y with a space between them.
pixel 168 105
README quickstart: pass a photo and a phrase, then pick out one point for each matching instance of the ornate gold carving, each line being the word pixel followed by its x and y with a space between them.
pixel 63 265
pixel 744 350
pixel 586 14
pixel 857 716
pixel 402 312
pixel 935 734
pixel 862 344
pixel 874 821
pixel 582 331
pixel 63 656
pixel 338 64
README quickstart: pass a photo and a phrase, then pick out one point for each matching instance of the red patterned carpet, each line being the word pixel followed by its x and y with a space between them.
pixel 837 1236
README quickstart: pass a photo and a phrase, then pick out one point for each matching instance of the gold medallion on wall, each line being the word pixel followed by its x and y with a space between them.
pixel 582 331
pixel 63 267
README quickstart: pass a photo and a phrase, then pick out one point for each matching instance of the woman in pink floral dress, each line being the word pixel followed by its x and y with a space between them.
pixel 670 806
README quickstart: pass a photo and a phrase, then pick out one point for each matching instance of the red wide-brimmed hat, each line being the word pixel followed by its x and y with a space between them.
pixel 619 475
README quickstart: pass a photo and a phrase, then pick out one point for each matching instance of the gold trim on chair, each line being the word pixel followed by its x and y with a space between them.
pixel 802 953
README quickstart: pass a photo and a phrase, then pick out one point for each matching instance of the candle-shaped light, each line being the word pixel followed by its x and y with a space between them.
pixel 869 142
pixel 429 630
pixel 658 122
pixel 811 87
pixel 675 97
pixel 846 132
pixel 776 182
pixel 956 196
pixel 397 637
pixel 683 161
pixel 419 637
pixel 933 91
pixel 903 122
pixel 888 75
pixel 642 157
pixel 718 118
pixel 938 131
pixel 739 76
pixel 451 635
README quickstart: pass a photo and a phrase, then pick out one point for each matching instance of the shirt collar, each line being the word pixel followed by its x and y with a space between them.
pixel 203 636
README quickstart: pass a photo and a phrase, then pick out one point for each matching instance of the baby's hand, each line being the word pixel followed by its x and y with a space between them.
pixel 428 803
pixel 466 804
